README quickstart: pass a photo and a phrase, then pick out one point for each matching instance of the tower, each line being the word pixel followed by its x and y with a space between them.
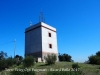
pixel 40 40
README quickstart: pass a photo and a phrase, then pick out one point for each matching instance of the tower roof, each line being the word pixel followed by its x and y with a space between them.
pixel 40 24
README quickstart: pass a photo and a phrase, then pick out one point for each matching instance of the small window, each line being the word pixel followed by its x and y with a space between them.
pixel 49 34
pixel 50 45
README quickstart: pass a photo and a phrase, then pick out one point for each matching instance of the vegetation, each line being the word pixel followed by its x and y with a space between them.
pixel 50 59
pixel 98 53
pixel 65 57
pixel 95 59
pixel 2 55
pixel 59 68
pixel 75 66
pixel 6 62
pixel 86 69
pixel 18 59
pixel 28 61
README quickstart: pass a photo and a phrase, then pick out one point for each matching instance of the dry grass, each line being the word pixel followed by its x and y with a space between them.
pixel 87 69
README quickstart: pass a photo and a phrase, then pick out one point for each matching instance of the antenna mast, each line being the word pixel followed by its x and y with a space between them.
pixel 41 18
pixel 30 23
pixel 14 47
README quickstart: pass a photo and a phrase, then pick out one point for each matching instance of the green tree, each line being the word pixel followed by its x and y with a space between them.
pixel 98 53
pixel 18 59
pixel 3 55
pixel 94 59
pixel 65 57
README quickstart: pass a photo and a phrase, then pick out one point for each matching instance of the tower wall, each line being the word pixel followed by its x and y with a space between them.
pixel 33 42
pixel 46 40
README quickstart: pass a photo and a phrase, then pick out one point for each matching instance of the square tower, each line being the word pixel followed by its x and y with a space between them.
pixel 40 40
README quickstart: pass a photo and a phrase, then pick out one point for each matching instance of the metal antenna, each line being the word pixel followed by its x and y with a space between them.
pixel 30 23
pixel 41 18
pixel 14 47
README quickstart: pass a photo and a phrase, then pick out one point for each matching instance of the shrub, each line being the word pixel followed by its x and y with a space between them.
pixel 28 61
pixel 50 59
pixel 6 63
pixel 10 61
pixel 75 66
pixel 3 64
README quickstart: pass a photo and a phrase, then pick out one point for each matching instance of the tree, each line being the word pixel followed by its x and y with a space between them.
pixel 65 57
pixel 98 53
pixel 94 59
pixel 18 56
pixel 2 55
pixel 18 59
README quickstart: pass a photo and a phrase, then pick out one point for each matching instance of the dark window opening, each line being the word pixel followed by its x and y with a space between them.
pixel 49 34
pixel 50 45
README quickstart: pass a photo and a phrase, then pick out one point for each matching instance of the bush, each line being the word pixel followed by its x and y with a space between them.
pixel 10 61
pixel 3 64
pixel 75 66
pixel 64 73
pixel 50 59
pixel 6 63
pixel 28 61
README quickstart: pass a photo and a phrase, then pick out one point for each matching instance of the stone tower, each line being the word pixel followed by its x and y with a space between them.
pixel 40 40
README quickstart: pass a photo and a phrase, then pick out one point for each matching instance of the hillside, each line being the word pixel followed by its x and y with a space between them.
pixel 40 68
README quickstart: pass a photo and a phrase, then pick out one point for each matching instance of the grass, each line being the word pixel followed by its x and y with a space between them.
pixel 87 69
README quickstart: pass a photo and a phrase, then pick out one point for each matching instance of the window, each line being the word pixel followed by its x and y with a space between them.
pixel 50 45
pixel 49 34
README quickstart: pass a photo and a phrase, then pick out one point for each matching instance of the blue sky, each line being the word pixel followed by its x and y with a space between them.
pixel 77 23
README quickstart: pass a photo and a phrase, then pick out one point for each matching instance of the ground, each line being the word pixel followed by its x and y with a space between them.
pixel 87 69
